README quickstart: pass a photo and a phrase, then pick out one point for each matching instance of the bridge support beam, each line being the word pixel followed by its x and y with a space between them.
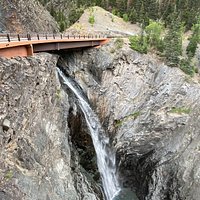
pixel 64 45
pixel 17 51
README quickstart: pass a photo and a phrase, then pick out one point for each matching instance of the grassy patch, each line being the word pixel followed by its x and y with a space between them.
pixel 133 116
pixel 125 17
pixel 181 110
pixel 9 174
pixel 91 20
pixel 187 67
pixel 139 43
pixel 58 94
pixel 118 122
pixel 119 43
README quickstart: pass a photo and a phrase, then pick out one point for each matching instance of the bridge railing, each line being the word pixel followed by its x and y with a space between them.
pixel 10 37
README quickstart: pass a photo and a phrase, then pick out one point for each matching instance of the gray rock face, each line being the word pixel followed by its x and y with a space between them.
pixel 6 124
pixel 38 160
pixel 20 16
pixel 151 112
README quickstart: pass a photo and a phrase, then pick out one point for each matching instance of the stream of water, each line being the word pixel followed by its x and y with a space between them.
pixel 105 155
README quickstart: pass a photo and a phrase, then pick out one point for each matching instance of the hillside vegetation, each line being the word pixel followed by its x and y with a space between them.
pixel 163 24
pixel 67 12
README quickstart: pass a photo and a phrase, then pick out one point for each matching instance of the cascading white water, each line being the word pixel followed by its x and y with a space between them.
pixel 105 156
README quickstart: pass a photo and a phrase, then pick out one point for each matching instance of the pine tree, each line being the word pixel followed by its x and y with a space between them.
pixel 194 40
pixel 143 18
pixel 173 42
pixel 133 17
pixel 152 9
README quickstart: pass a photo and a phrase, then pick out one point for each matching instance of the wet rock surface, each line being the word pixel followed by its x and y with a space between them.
pixel 38 160
pixel 150 112
pixel 125 194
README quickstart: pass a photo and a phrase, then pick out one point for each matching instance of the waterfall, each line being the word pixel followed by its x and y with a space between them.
pixel 105 155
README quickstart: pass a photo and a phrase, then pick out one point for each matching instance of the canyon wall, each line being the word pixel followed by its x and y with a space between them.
pixel 149 110
pixel 151 113
pixel 38 159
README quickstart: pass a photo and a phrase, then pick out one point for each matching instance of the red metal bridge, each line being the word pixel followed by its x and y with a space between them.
pixel 12 45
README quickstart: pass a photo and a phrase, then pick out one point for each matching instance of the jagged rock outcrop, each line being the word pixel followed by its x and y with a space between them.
pixel 20 16
pixel 151 113
pixel 37 157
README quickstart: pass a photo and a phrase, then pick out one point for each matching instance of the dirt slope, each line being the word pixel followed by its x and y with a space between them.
pixel 104 22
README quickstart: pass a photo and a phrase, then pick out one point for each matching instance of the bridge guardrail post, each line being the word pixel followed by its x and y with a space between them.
pixel 8 37
pixel 18 36
pixel 28 36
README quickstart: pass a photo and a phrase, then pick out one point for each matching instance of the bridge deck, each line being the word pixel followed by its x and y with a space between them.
pixel 12 46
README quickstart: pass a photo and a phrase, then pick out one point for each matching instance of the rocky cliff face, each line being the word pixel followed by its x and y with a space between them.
pixel 21 16
pixel 151 113
pixel 37 157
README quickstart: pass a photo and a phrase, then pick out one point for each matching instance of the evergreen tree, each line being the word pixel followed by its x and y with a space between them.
pixel 194 40
pixel 152 9
pixel 173 42
pixel 143 18
pixel 133 15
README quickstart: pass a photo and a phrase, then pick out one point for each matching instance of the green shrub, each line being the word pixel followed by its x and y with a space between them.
pixel 118 14
pixel 185 66
pixel 125 17
pixel 91 20
pixel 194 40
pixel 114 11
pixel 139 43
pixel 154 31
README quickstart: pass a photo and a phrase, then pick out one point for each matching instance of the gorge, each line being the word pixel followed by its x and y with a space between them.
pixel 105 156
pixel 150 113
pixel 103 123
